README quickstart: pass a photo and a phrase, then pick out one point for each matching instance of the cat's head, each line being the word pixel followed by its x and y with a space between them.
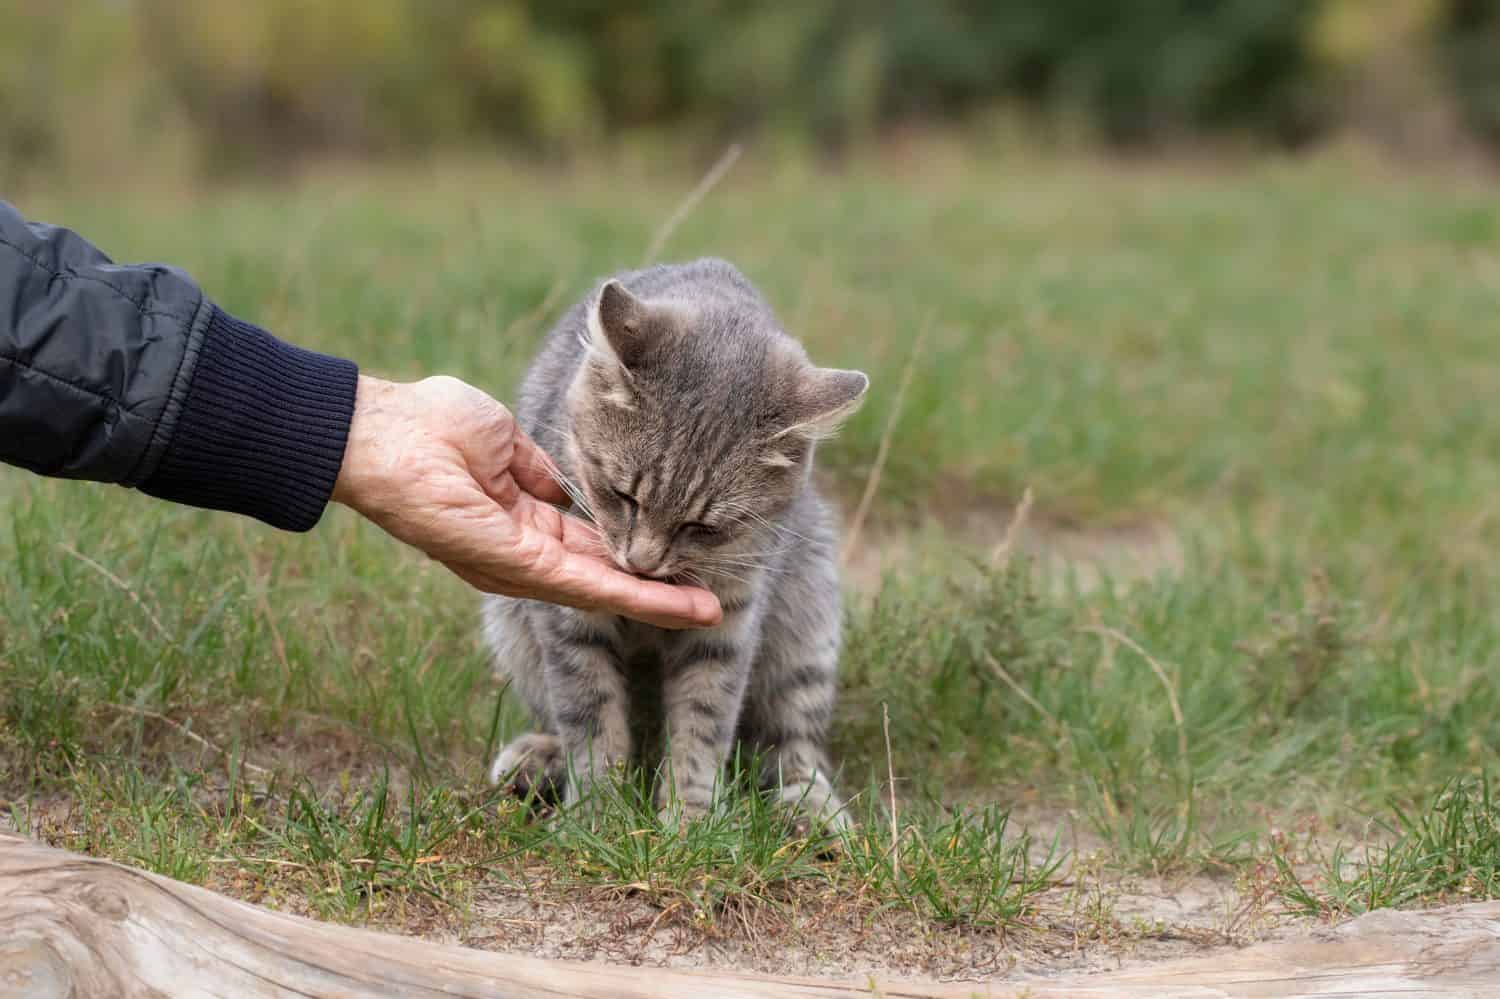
pixel 692 429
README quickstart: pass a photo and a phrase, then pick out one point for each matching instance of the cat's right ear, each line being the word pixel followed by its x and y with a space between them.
pixel 617 326
pixel 825 398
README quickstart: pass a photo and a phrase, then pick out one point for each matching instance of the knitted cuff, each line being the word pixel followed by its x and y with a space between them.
pixel 262 431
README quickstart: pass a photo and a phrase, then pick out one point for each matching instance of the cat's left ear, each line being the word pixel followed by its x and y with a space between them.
pixel 826 397
pixel 618 324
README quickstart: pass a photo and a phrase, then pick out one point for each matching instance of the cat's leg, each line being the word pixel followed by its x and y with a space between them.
pixel 587 694
pixel 793 686
pixel 786 729
pixel 532 762
pixel 704 682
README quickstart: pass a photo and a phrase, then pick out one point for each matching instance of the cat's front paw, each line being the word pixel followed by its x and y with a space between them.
pixel 677 816
pixel 814 808
pixel 532 765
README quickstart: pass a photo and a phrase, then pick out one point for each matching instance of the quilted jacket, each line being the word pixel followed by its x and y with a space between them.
pixel 130 374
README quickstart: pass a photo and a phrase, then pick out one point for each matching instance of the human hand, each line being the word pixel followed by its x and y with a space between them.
pixel 443 467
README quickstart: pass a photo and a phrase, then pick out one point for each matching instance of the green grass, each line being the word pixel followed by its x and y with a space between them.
pixel 1450 852
pixel 1292 365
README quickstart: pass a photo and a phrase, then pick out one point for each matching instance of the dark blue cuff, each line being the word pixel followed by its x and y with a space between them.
pixel 262 431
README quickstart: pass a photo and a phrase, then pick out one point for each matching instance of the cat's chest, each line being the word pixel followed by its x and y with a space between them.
pixel 645 644
pixel 647 650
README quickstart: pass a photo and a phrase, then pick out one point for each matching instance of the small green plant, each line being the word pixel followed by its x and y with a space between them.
pixel 963 869
pixel 1448 850
pixel 1302 656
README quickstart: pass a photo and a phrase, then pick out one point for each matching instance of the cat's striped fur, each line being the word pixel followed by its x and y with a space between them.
pixel 684 419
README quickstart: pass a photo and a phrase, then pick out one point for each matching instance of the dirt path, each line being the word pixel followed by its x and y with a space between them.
pixel 1070 932
pixel 1094 920
pixel 1198 952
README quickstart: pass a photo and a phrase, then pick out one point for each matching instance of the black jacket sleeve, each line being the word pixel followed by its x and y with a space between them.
pixel 128 374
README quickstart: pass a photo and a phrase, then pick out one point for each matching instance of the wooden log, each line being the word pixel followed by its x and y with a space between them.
pixel 1450 952
pixel 75 926
pixel 81 927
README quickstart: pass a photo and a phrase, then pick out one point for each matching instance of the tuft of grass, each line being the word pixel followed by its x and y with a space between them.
pixel 1293 669
pixel 964 870
pixel 1448 850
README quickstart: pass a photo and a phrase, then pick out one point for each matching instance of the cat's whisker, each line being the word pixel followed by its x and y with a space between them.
pixel 774 546
pixel 753 554
pixel 782 529
pixel 541 424
pixel 730 572
pixel 763 553
pixel 745 573
pixel 726 574
pixel 548 464
pixel 747 515
pixel 746 556
pixel 748 564
pixel 573 491
pixel 580 503
pixel 698 581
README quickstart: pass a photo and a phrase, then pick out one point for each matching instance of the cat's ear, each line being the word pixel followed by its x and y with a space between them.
pixel 825 398
pixel 618 325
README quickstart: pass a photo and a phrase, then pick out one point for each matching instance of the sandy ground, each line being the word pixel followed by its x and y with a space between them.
pixel 1082 556
pixel 1106 926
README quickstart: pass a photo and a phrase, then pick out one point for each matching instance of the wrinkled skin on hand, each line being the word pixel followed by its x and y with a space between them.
pixel 443 467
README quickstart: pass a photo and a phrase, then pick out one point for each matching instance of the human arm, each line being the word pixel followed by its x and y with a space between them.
pixel 129 374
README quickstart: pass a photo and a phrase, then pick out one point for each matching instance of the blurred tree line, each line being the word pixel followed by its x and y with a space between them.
pixel 244 83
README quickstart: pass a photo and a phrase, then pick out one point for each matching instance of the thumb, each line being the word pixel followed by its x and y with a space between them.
pixel 489 442
pixel 534 471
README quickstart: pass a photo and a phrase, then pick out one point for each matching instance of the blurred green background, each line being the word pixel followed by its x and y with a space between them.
pixel 216 88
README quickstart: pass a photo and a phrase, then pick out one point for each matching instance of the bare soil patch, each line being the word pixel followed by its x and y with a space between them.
pixel 1085 555
pixel 1094 924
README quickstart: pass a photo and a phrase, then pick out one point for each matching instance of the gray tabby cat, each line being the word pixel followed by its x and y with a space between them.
pixel 683 420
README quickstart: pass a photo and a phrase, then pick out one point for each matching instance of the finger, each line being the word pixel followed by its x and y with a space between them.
pixel 550 556
pixel 574 534
pixel 533 470
pixel 489 457
pixel 579 572
pixel 581 538
pixel 645 600
pixel 606 588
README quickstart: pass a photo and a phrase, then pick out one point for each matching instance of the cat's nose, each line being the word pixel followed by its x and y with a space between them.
pixel 642 565
pixel 644 559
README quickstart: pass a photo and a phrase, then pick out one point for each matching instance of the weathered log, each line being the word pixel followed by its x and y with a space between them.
pixel 78 926
pixel 1449 952
pixel 81 927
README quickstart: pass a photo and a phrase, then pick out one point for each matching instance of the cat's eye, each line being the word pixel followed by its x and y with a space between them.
pixel 701 532
pixel 627 499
